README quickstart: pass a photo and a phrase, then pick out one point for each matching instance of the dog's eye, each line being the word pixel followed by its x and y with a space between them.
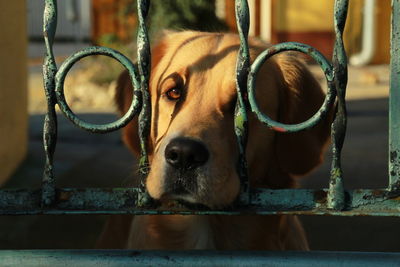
pixel 174 94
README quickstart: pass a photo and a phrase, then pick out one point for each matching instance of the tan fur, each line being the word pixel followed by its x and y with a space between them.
pixel 204 63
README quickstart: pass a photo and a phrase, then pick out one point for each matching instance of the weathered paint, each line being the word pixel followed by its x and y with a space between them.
pixel 336 76
pixel 110 258
pixel 62 103
pixel 319 58
pixel 336 196
pixel 241 120
pixel 362 202
pixel 50 120
pixel 394 100
pixel 144 65
pixel 332 201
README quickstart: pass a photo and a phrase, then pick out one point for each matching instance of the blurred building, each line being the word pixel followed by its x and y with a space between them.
pixel 305 21
pixel 74 21
pixel 311 22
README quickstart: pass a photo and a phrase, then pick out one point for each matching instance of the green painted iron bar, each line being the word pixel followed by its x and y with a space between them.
pixel 360 202
pixel 394 100
pixel 50 120
pixel 241 119
pixel 336 196
pixel 144 65
pixel 110 258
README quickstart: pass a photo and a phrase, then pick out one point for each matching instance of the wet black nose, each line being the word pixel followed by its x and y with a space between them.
pixel 185 153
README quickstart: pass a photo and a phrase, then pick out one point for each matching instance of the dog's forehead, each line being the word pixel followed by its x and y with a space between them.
pixel 199 53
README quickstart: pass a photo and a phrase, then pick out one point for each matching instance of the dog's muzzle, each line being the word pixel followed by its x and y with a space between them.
pixel 184 159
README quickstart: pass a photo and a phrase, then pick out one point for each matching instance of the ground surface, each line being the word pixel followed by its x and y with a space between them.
pixel 88 160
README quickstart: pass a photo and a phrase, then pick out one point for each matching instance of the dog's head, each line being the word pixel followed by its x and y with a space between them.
pixel 193 150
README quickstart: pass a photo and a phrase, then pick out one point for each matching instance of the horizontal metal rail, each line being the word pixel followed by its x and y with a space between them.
pixel 362 202
pixel 110 258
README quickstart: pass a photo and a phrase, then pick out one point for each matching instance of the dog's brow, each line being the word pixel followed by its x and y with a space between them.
pixel 176 77
pixel 184 43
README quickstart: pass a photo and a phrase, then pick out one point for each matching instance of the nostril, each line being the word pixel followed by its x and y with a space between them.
pixel 173 155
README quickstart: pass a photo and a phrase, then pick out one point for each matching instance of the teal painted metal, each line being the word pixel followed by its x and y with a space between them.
pixel 378 202
pixel 62 103
pixel 50 120
pixel 327 69
pixel 241 120
pixel 144 64
pixel 110 258
pixel 336 75
pixel 336 195
pixel 333 201
pixel 394 100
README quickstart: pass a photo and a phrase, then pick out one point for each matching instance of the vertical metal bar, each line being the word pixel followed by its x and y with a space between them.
pixel 50 121
pixel 394 100
pixel 144 65
pixel 336 197
pixel 242 70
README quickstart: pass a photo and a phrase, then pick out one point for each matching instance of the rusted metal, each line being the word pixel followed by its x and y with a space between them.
pixel 336 195
pixel 336 76
pixel 363 202
pixel 110 258
pixel 62 103
pixel 332 201
pixel 241 120
pixel 50 120
pixel 326 68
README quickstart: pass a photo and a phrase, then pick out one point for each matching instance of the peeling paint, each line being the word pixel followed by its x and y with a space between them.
pixel 332 201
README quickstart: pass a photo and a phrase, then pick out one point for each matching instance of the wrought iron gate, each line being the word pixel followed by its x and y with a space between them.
pixel 335 200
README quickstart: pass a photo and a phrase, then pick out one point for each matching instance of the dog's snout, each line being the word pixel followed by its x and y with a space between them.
pixel 185 153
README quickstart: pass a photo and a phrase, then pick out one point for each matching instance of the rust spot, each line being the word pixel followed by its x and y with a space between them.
pixel 272 50
pixel 377 193
pixel 64 196
pixel 279 129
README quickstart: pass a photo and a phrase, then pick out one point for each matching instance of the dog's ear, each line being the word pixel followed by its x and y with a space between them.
pixel 123 99
pixel 300 97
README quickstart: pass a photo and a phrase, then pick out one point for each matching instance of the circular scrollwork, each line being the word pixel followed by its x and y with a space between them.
pixel 134 108
pixel 319 58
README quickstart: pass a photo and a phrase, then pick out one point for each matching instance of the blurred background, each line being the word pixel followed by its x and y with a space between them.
pixel 89 160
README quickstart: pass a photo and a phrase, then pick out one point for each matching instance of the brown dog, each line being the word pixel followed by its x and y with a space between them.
pixel 193 149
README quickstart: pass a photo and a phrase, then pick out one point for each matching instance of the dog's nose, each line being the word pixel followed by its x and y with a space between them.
pixel 185 153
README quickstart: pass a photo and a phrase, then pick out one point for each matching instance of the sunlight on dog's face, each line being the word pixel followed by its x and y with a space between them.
pixel 194 149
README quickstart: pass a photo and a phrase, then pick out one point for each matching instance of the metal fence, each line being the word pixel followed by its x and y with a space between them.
pixel 335 200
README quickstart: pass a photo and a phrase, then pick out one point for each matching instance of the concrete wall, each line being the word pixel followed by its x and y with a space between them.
pixel 13 86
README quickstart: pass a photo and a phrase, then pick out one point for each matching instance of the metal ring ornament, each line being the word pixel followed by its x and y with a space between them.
pixel 134 108
pixel 319 58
